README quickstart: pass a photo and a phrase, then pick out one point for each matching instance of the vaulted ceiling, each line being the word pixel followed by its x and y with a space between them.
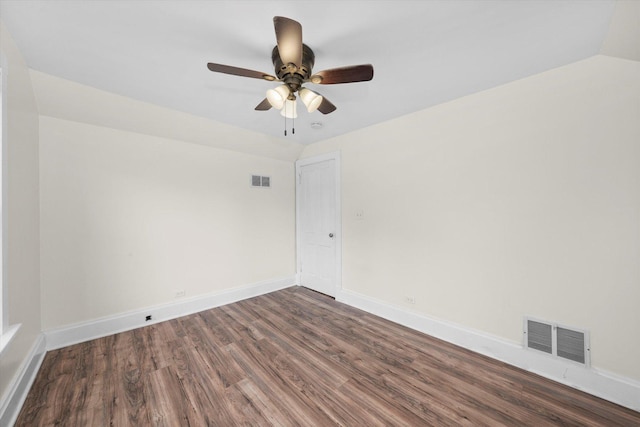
pixel 423 52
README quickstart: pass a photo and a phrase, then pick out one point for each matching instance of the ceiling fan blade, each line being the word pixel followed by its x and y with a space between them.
pixel 350 74
pixel 289 38
pixel 242 72
pixel 264 105
pixel 326 106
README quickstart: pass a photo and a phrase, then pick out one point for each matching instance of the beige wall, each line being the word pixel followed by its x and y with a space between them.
pixel 623 37
pixel 22 261
pixel 73 101
pixel 520 200
pixel 129 219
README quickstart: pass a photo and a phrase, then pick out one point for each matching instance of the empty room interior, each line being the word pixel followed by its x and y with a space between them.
pixel 320 212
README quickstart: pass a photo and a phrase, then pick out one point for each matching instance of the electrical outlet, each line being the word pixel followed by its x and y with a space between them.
pixel 410 299
pixel 180 294
pixel 359 214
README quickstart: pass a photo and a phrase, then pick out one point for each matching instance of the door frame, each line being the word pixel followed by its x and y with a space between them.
pixel 335 156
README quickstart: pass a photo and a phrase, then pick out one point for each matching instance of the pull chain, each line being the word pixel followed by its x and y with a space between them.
pixel 293 120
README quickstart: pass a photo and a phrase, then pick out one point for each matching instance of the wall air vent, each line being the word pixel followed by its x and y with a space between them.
pixel 571 344
pixel 539 336
pixel 260 181
pixel 560 341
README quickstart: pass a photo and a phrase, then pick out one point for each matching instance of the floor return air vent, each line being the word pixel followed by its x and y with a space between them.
pixel 557 340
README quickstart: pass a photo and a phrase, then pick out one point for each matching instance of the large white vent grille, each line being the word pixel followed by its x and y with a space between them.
pixel 560 341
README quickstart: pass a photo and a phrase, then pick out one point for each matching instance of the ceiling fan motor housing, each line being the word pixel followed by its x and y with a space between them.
pixel 290 74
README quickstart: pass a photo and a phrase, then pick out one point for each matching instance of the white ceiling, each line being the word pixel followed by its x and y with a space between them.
pixel 423 52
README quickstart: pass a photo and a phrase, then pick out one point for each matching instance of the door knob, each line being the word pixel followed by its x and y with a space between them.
pixel 331 235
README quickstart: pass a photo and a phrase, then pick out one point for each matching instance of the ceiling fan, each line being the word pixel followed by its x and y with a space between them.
pixel 293 62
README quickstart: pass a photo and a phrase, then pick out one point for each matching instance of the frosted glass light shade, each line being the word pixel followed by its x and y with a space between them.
pixel 289 109
pixel 311 99
pixel 277 96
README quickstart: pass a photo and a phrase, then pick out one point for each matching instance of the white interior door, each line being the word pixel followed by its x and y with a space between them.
pixel 318 224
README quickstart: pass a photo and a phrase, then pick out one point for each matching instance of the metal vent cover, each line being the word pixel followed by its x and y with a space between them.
pixel 571 344
pixel 557 340
pixel 539 336
pixel 260 181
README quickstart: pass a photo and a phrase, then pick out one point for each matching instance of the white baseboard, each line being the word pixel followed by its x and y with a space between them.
pixel 85 331
pixel 617 389
pixel 18 389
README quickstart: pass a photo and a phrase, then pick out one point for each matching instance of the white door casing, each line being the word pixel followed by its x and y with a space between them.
pixel 318 223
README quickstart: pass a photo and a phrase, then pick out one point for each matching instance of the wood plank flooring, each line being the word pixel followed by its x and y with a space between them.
pixel 291 358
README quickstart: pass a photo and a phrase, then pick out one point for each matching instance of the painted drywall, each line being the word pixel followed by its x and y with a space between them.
pixel 128 220
pixel 520 200
pixel 21 232
pixel 69 100
pixel 623 37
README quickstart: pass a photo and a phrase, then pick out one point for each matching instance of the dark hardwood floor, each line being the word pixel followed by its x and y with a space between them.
pixel 295 357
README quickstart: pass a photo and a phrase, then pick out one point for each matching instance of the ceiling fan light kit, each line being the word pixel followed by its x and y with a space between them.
pixel 289 110
pixel 278 96
pixel 293 62
pixel 310 99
